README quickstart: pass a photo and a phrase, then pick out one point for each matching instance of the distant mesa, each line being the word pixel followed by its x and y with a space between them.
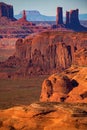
pixel 6 11
pixel 23 20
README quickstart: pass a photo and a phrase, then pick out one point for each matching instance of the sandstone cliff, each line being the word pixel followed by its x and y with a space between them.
pixel 52 51
pixel 6 11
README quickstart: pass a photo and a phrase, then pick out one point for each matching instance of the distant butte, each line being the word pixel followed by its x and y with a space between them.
pixel 72 20
pixel 6 11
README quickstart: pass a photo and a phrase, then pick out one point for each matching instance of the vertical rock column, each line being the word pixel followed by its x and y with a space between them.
pixel 10 12
pixel 59 16
pixel 67 18
pixel 24 14
pixel 74 20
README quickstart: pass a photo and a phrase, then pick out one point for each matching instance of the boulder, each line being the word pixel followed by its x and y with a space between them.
pixel 68 86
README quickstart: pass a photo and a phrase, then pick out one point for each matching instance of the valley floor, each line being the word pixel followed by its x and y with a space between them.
pixel 20 92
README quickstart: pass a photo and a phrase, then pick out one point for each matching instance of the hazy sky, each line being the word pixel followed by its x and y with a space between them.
pixel 47 7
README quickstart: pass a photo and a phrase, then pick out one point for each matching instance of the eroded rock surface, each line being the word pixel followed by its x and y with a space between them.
pixel 49 52
pixel 44 116
pixel 68 86
pixel 52 51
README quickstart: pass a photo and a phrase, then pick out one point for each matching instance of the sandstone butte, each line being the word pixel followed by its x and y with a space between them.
pixel 46 53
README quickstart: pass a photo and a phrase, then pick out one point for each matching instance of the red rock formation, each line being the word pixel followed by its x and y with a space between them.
pixel 44 57
pixel 24 14
pixel 23 19
pixel 59 16
pixel 81 57
pixel 45 116
pixel 67 17
pixel 50 52
pixel 69 86
pixel 74 20
pixel 55 88
pixel 6 11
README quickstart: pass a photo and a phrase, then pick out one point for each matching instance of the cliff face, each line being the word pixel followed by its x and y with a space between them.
pixel 6 11
pixel 49 51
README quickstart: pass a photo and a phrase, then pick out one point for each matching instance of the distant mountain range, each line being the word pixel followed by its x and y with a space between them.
pixel 34 15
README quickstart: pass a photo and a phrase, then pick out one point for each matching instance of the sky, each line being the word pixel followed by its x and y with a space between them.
pixel 47 7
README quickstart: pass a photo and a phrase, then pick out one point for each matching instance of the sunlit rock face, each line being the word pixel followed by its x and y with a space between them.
pixel 68 86
pixel 44 116
pixel 49 51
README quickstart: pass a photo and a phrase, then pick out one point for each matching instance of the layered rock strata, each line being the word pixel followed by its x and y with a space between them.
pixel 51 51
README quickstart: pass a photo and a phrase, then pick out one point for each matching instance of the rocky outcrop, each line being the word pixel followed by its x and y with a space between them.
pixel 6 11
pixel 67 18
pixel 43 53
pixel 81 57
pixel 59 16
pixel 74 18
pixel 68 86
pixel 72 21
pixel 45 116
pixel 23 20
pixel 50 51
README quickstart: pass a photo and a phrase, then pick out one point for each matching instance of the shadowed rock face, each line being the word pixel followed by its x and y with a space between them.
pixel 59 16
pixel 67 18
pixel 6 10
pixel 74 20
